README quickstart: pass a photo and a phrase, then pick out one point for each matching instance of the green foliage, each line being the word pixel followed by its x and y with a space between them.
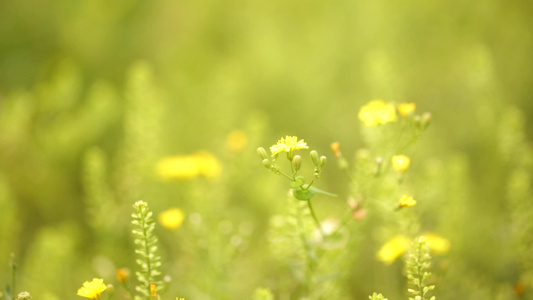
pixel 87 115
pixel 417 270
pixel 146 242
pixel 376 296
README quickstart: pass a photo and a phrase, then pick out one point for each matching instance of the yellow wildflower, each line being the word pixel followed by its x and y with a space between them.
pixel 288 144
pixel 407 201
pixel 393 249
pixel 153 290
pixel 188 166
pixel 92 289
pixel 437 243
pixel 377 112
pixel 400 163
pixel 236 140
pixel 406 109
pixel 207 164
pixel 171 218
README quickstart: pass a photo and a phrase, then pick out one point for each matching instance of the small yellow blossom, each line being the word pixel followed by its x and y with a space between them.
pixel 393 249
pixel 153 290
pixel 377 112
pixel 437 243
pixel 92 289
pixel 288 144
pixel 407 201
pixel 236 141
pixel 171 218
pixel 400 163
pixel 202 163
pixel 406 109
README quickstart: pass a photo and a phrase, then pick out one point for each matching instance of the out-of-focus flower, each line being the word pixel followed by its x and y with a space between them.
pixel 24 296
pixel 153 290
pixel 335 148
pixel 189 166
pixel 377 112
pixel 406 201
pixel 406 109
pixel 288 144
pixel 92 289
pixel 400 163
pixel 236 140
pixel 171 218
pixel 359 213
pixel 437 243
pixel 123 274
pixel 393 249
pixel 208 164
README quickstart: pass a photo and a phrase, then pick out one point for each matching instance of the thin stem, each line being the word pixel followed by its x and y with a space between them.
pixel 13 275
pixel 315 218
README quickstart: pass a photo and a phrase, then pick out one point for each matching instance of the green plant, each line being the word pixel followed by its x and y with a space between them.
pixel 146 243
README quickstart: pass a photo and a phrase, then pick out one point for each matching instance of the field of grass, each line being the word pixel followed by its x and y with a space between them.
pixel 266 150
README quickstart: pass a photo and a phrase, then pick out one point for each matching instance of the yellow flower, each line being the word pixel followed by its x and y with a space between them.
pixel 406 109
pixel 377 112
pixel 236 140
pixel 171 218
pixel 437 243
pixel 288 144
pixel 207 164
pixel 400 163
pixel 92 289
pixel 188 166
pixel 153 290
pixel 407 201
pixel 393 249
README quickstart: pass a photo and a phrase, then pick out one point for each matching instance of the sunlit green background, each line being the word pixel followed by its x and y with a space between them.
pixel 116 85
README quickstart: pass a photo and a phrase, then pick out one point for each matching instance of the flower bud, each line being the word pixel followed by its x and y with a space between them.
pixel 262 152
pixel 323 161
pixel 266 163
pixel 314 157
pixel 426 119
pixel 297 163
pixel 110 288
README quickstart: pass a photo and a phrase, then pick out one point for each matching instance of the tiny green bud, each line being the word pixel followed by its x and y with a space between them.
pixel 266 163
pixel 426 119
pixel 323 161
pixel 297 162
pixel 314 157
pixel 262 152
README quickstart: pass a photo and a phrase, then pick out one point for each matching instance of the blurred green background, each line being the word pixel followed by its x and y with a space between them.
pixel 93 93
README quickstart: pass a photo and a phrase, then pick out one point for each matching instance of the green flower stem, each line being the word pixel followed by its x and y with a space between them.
pixel 125 285
pixel 315 218
pixel 285 175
